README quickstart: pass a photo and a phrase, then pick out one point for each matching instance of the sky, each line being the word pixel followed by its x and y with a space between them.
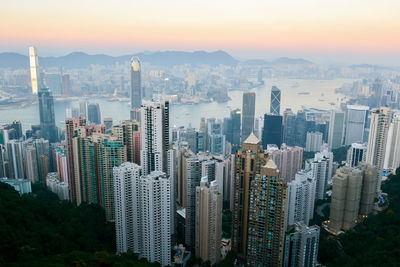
pixel 349 31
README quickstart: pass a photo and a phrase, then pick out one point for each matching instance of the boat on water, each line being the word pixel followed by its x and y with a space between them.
pixel 303 93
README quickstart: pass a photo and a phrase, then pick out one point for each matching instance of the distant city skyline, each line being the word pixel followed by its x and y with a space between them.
pixel 335 31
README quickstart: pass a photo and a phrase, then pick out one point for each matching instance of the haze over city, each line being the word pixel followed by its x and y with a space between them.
pixel 341 31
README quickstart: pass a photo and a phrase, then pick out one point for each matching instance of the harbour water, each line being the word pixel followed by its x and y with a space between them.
pixel 294 94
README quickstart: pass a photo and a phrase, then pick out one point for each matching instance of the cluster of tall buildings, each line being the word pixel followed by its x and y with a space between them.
pixel 166 186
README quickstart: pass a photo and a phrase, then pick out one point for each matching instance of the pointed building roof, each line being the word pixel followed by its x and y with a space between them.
pixel 271 164
pixel 252 139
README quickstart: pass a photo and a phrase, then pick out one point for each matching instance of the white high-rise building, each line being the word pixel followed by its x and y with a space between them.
pixel 392 155
pixel 321 168
pixel 301 197
pixel 336 129
pixel 155 136
pixel 356 117
pixel 356 153
pixel 34 65
pixel 143 213
pixel 313 141
pixel 380 120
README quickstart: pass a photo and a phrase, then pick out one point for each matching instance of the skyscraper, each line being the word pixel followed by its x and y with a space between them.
pixel 143 217
pixel 248 162
pixel 272 133
pixel 321 167
pixel 346 194
pixel 208 221
pixel 336 129
pixel 301 246
pixel 31 164
pixel 301 198
pixel 155 136
pixel 94 114
pixel 275 106
pixel 392 156
pixel 233 129
pixel 48 128
pixel 356 153
pixel 126 131
pixel 288 159
pixel 356 117
pixel 34 66
pixel 380 120
pixel 313 141
pixel 267 218
pixel 15 159
pixel 136 85
pixel 248 113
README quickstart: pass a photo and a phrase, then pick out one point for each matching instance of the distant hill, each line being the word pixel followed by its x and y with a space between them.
pixel 80 59
pixel 279 61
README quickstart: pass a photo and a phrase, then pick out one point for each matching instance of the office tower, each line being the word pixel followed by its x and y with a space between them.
pixel 61 189
pixel 34 66
pixel 300 129
pixel 376 92
pixel 321 167
pixel 369 174
pixel 31 164
pixel 345 204
pixel 17 127
pixel 48 128
pixel 208 221
pixel 203 128
pixel 216 140
pixel 15 159
pixel 136 85
pixel 355 154
pixel 392 156
pixel 233 130
pixel 66 85
pixel 301 198
pixel 288 159
pixel 260 76
pixel 155 136
pixel 258 127
pixel 289 130
pixel 108 122
pixel 70 126
pixel 184 153
pixel 313 141
pixel 143 217
pixel 248 162
pixel 53 81
pixel 248 113
pixel 336 129
pixel 190 136
pixel 126 132
pixel 94 114
pixel 272 133
pixel 83 109
pixel 287 112
pixel 267 218
pixel 380 120
pixel 356 117
pixel 275 106
pixel 301 246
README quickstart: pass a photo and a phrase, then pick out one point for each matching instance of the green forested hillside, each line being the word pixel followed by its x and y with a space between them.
pixel 39 230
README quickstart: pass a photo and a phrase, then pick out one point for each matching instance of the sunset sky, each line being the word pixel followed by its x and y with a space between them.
pixel 341 30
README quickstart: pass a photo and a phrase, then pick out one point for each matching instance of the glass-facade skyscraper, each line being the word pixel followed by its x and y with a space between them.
pixel 48 129
pixel 136 87
pixel 275 107
pixel 248 111
pixel 272 133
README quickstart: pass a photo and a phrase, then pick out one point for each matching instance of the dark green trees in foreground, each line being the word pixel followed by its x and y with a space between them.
pixel 39 230
pixel 374 242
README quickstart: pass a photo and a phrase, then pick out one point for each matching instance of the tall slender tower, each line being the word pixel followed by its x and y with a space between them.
pixel 136 85
pixel 208 221
pixel 267 218
pixel 34 65
pixel 380 120
pixel 275 106
pixel 155 136
pixel 48 128
pixel 248 164
pixel 336 129
pixel 248 113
